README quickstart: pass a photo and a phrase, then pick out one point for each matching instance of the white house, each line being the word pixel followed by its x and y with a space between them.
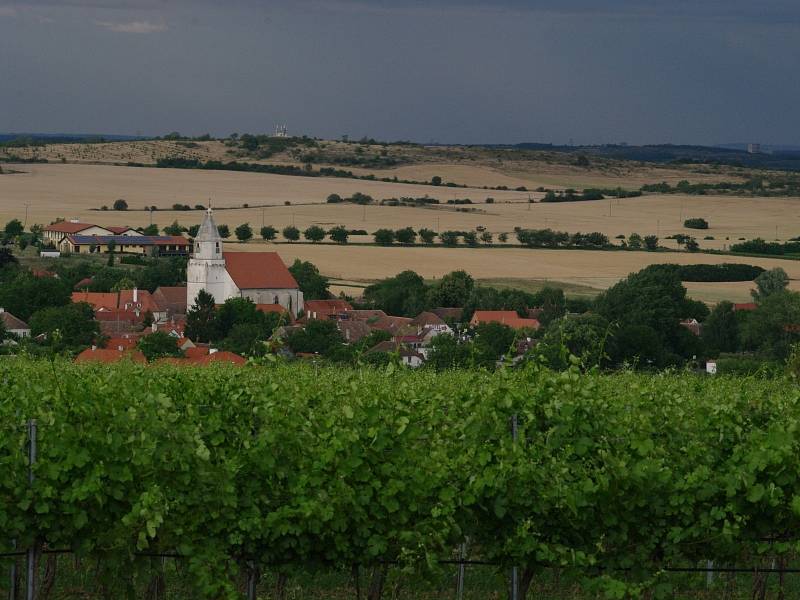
pixel 13 325
pixel 260 276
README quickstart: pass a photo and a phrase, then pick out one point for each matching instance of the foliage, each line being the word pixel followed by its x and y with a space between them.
pixel 14 228
pixel 318 336
pixel 224 231
pixel 406 236
pixel 427 235
pixel 68 328
pixel 651 242
pixel 268 233
pixel 449 238
pixel 384 237
pixel 773 327
pixel 200 325
pixel 696 223
pixel 315 233
pixel 25 294
pixel 453 289
pixel 158 345
pixel 291 233
pixel 402 295
pixel 770 282
pixel 174 229
pixel 313 285
pixel 244 233
pixel 120 204
pixel 721 329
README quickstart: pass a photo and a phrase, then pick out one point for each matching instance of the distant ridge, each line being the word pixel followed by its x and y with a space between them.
pixel 55 138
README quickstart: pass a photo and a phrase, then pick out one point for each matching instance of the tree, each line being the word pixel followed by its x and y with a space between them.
pixel 268 233
pixel 158 345
pixel 583 336
pixel 174 229
pixel 333 199
pixel 454 289
pixel 120 204
pixel 449 238
pixel 315 234
pixel 244 232
pixel 470 238
pixel 70 327
pixel 692 245
pixel 696 223
pixel 7 258
pixel 503 237
pixel 721 329
pixel 14 228
pixel 339 234
pixel 486 237
pixel 313 285
pixel 152 229
pixel 112 246
pixel 436 180
pixel 427 235
pixel 239 311
pixel 24 294
pixel 492 341
pixel 402 295
pixel 291 233
pixel 200 318
pixel 651 242
pixel 384 237
pixel 447 352
pixel 192 231
pixel 770 282
pixel 772 329
pixel 318 336
pixel 635 241
pixel 406 236
pixel 224 231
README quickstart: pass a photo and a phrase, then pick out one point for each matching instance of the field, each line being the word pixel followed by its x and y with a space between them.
pixel 44 192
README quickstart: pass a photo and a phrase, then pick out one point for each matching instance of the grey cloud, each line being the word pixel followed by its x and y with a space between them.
pixel 133 26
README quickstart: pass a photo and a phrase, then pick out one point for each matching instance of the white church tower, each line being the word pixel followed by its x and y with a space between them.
pixel 206 268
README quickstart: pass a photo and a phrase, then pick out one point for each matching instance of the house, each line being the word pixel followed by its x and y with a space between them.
pixel 220 356
pixel 55 232
pixel 97 300
pixel 393 325
pixel 353 331
pixel 157 245
pixel 453 315
pixel 327 309
pixel 109 355
pixel 431 322
pixel 260 276
pixel 409 356
pixel 505 317
pixel 117 321
pixel 13 325
pixel 136 301
pixel 124 230
pixel 692 325
pixel 277 309
pixel 170 300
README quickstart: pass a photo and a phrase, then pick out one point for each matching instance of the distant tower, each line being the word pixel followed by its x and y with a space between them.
pixel 206 268
pixel 281 131
pixel 754 148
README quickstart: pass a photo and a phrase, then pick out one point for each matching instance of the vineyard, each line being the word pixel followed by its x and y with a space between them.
pixel 245 475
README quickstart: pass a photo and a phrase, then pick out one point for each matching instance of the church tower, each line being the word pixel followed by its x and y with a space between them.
pixel 206 268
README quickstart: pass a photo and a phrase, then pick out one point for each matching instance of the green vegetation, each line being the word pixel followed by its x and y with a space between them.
pixel 243 471
pixel 769 185
pixel 696 223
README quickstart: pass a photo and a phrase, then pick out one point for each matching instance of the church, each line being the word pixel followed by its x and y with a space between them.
pixel 260 276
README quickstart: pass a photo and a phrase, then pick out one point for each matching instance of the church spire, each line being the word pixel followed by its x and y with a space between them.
pixel 208 242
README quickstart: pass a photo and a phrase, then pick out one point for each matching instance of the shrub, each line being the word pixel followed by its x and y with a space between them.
pixel 315 233
pixel 291 233
pixel 696 223
pixel 120 204
pixel 384 237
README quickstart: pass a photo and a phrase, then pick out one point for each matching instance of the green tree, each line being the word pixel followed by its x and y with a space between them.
pixel 427 235
pixel 651 242
pixel 244 232
pixel 318 336
pixel 446 352
pixel 339 234
pixel 436 180
pixel 112 246
pixel 721 329
pixel 24 294
pixel 486 238
pixel 158 345
pixel 14 228
pixel 268 233
pixel 503 237
pixel 470 238
pixel 770 282
pixel 583 336
pixel 7 258
pixel 449 238
pixel 200 318
pixel 67 328
pixel 402 295
pixel 772 328
pixel 120 204
pixel 291 233
pixel 224 231
pixel 174 229
pixel 491 342
pixel 384 237
pixel 193 230
pixel 333 199
pixel 240 311
pixel 406 236
pixel 635 241
pixel 453 290
pixel 313 285
pixel 315 233
pixel 152 229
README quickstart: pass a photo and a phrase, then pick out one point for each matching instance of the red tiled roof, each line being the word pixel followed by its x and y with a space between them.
pixel 220 356
pixel 448 313
pixel 353 331
pixel 745 306
pixel 258 270
pixel 196 352
pixel 322 309
pixel 109 355
pixel 171 298
pixel 271 308
pixel 144 301
pixel 506 317
pixel 83 283
pixel 117 230
pixel 126 343
pixel 427 318
pixel 97 299
pixel 117 314
pixel 69 227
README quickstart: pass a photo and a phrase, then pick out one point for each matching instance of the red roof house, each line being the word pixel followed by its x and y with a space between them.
pixel 506 317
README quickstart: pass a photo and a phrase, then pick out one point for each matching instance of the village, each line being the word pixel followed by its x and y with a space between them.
pixel 130 319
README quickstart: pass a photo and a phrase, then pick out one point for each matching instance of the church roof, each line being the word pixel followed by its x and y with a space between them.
pixel 258 271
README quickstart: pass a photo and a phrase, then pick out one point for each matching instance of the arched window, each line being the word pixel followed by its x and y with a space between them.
pixel 216 244
pixel 275 300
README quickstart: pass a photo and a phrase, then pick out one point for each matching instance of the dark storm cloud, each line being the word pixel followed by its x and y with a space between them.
pixel 449 70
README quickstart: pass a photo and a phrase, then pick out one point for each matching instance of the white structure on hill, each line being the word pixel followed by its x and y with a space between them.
pixel 260 276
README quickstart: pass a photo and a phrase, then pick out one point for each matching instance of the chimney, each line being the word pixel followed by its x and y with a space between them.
pixel 2 310
pixel 212 350
pixel 153 327
pixel 94 347
pixel 135 294
pixel 119 348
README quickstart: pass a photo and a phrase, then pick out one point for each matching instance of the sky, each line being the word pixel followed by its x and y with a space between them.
pixel 446 71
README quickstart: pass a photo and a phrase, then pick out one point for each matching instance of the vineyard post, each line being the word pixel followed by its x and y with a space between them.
pixel 514 569
pixel 461 572
pixel 709 573
pixel 252 582
pixel 12 586
pixel 30 588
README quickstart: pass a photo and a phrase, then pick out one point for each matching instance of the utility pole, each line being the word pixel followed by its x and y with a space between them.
pixel 26 216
